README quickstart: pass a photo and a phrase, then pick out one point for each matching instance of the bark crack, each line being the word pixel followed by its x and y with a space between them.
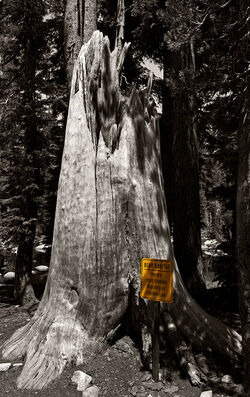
pixel 96 198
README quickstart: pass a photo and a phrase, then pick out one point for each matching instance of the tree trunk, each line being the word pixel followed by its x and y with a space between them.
pixel 79 24
pixel 24 293
pixel 181 167
pixel 243 244
pixel 111 212
pixel 243 209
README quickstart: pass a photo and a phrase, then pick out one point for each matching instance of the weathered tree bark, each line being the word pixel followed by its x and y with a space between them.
pixel 181 167
pixel 79 24
pixel 111 212
pixel 24 293
pixel 243 206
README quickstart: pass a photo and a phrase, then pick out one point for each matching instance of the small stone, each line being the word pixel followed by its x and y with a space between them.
pixel 4 367
pixel 171 389
pixel 134 390
pixel 141 389
pixel 92 391
pixel 153 386
pixel 227 379
pixel 17 364
pixel 146 377
pixel 207 393
pixel 126 346
pixel 82 380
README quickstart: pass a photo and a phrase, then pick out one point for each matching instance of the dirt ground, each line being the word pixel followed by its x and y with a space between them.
pixel 117 371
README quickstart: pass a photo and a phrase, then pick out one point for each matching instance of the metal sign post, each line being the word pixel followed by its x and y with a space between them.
pixel 156 285
pixel 156 342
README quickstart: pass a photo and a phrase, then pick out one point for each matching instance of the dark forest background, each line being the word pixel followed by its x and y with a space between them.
pixel 200 48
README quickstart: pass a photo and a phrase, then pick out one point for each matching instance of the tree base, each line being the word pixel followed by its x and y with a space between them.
pixel 49 342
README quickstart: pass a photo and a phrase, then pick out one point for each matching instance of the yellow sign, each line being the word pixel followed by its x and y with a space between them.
pixel 157 280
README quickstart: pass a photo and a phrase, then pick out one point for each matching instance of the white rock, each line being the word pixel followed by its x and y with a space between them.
pixel 207 393
pixel 92 391
pixel 41 248
pixel 42 268
pixel 17 364
pixel 227 379
pixel 9 276
pixel 82 380
pixel 4 367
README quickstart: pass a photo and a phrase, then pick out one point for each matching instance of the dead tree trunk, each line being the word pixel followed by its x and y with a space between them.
pixel 242 202
pixel 79 24
pixel 111 212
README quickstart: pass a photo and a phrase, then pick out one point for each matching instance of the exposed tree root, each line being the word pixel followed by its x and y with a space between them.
pixel 202 330
pixel 183 352
pixel 48 342
pixel 197 339
pixel 190 329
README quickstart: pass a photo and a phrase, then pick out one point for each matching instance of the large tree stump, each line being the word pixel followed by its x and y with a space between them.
pixel 111 212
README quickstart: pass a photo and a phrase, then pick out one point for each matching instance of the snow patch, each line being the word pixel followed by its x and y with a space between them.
pixel 41 268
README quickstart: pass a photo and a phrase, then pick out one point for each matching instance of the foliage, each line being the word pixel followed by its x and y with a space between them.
pixel 210 27
pixel 17 176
